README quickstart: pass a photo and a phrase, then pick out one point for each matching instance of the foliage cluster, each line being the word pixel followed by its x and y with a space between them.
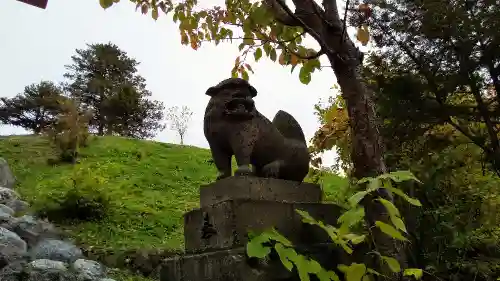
pixel 79 197
pixel 69 131
pixel 344 237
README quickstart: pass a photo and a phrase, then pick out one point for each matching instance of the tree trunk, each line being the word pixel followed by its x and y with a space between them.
pixel 367 151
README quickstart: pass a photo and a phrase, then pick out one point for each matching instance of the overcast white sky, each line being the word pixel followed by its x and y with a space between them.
pixel 35 45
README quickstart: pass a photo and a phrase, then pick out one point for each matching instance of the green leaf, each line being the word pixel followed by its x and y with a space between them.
pixel 276 236
pixel 314 267
pixel 353 272
pixel 106 3
pixel 257 54
pixel 415 272
pixel 373 185
pixel 244 75
pixel 305 75
pixel 356 198
pixel 393 211
pixel 302 267
pixel 355 238
pixel 363 180
pixel 399 224
pixel 324 275
pixel 283 254
pixel 352 216
pixel 392 263
pixel 255 247
pixel 374 272
pixel 272 54
pixel 405 196
pixel 400 176
pixel 268 48
pixel 306 217
pixel 390 230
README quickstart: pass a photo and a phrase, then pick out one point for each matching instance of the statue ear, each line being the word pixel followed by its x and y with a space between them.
pixel 211 91
pixel 253 91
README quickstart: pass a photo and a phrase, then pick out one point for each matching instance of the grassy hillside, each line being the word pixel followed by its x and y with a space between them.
pixel 150 184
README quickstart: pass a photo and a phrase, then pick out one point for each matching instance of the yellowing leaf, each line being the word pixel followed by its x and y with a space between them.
pixel 106 3
pixel 184 38
pixel 294 60
pixel 154 14
pixel 194 45
pixel 281 59
pixel 363 35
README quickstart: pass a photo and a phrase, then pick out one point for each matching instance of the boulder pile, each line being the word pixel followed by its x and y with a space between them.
pixel 33 249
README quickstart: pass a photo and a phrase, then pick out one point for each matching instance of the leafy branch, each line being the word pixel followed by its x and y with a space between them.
pixel 261 245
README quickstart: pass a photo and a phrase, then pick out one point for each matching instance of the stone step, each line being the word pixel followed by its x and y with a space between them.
pixel 234 265
pixel 259 189
pixel 226 224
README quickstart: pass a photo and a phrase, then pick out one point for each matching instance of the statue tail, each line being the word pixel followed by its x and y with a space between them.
pixel 288 126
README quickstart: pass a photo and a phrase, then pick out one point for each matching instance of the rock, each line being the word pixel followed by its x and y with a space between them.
pixel 18 206
pixel 44 264
pixel 89 270
pixel 6 220
pixel 6 209
pixel 57 250
pixel 7 195
pixel 12 247
pixel 48 271
pixel 32 230
pixel 13 271
pixel 7 179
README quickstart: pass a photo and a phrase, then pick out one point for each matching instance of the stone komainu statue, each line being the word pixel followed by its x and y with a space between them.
pixel 233 126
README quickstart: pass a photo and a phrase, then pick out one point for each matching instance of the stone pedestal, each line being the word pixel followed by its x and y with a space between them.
pixel 216 233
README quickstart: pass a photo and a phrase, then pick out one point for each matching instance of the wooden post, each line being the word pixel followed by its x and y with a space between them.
pixel 37 3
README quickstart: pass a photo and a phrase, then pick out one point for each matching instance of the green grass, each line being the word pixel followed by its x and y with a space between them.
pixel 150 184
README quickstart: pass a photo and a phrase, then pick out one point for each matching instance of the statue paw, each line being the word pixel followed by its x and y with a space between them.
pixel 271 170
pixel 243 171
pixel 223 175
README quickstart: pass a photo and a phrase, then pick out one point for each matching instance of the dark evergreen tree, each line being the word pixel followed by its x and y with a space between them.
pixel 34 109
pixel 104 78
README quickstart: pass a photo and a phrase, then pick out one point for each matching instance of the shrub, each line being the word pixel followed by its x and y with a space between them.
pixel 79 198
pixel 70 131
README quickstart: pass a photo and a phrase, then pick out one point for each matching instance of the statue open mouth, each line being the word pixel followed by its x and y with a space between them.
pixel 240 106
